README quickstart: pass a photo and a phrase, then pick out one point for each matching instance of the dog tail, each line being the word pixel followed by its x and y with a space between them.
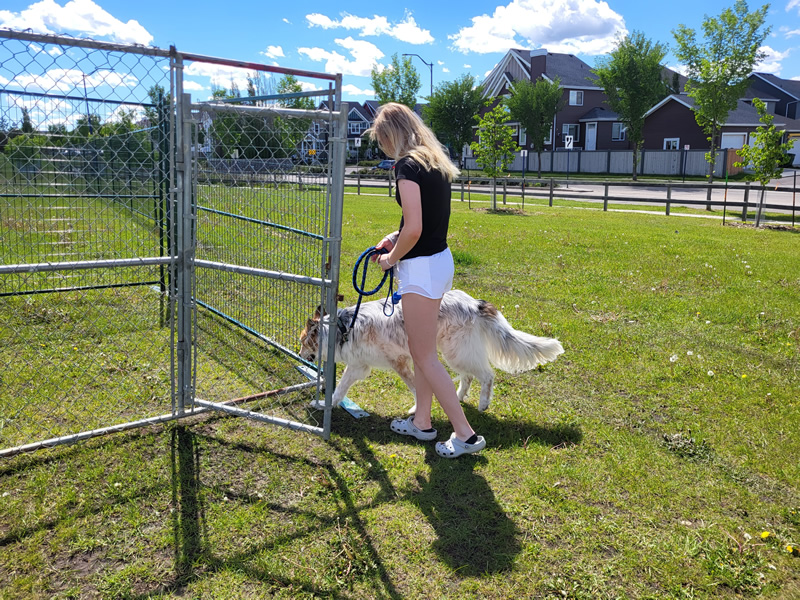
pixel 511 350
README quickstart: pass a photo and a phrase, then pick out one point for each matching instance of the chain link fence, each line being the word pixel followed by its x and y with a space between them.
pixel 114 190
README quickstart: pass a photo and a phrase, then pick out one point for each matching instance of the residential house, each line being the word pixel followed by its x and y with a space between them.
pixel 671 125
pixel 585 114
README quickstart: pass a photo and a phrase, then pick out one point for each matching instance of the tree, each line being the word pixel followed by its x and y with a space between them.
pixel 453 110
pixel 631 79
pixel 718 68
pixel 292 131
pixel 495 147
pixel 766 154
pixel 399 82
pixel 27 125
pixel 535 106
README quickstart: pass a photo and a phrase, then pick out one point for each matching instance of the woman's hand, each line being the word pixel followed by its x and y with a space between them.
pixel 383 262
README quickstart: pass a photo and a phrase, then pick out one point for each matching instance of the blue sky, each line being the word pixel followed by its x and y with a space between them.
pixel 456 37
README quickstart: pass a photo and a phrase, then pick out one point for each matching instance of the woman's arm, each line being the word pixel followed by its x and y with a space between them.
pixel 412 224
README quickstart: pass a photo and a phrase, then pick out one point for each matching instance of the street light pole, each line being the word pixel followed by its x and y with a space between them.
pixel 429 65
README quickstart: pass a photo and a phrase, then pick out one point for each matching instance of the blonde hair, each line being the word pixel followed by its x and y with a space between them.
pixel 400 133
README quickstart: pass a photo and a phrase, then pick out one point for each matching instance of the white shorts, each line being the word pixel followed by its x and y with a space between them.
pixel 429 276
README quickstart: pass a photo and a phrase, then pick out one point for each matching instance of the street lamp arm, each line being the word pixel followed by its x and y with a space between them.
pixel 427 64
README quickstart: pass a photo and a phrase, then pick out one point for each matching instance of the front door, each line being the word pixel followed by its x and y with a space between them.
pixel 591 136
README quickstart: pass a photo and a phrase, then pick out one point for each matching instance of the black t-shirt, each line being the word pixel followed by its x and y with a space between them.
pixel 435 197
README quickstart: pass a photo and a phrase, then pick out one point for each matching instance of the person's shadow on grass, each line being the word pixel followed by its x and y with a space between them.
pixel 475 536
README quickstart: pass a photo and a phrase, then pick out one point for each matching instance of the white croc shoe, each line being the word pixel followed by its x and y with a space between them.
pixel 407 427
pixel 454 447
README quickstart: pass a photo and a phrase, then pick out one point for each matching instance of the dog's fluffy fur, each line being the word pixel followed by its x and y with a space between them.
pixel 472 336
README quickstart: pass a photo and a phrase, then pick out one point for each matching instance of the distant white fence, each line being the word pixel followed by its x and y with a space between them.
pixel 675 163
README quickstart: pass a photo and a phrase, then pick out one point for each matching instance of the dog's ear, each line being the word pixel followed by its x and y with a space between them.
pixel 318 312
pixel 311 325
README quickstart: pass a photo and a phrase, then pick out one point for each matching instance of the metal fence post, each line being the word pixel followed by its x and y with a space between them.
pixel 551 191
pixel 669 196
pixel 359 182
pixel 334 246
pixel 605 196
pixel 462 190
pixel 746 197
pixel 185 240
pixel 505 190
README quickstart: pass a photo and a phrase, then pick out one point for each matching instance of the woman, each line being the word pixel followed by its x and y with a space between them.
pixel 424 268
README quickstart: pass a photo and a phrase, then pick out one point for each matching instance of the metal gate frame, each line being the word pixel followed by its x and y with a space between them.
pixel 181 256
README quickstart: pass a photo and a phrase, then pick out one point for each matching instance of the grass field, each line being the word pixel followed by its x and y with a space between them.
pixel 656 458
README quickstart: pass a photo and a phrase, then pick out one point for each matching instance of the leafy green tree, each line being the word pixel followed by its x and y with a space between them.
pixel 292 131
pixel 535 105
pixel 718 67
pixel 399 82
pixel 766 154
pixel 631 79
pixel 27 125
pixel 453 110
pixel 495 147
pixel 226 131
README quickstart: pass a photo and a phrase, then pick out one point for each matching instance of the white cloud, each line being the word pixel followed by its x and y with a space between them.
pixel 792 4
pixel 273 52
pixel 772 62
pixel 406 30
pixel 792 32
pixel 467 66
pixel 219 75
pixel 55 51
pixel 577 26
pixel 445 70
pixel 365 56
pixel 193 86
pixel 74 79
pixel 352 90
pixel 440 62
pixel 285 20
pixel 81 16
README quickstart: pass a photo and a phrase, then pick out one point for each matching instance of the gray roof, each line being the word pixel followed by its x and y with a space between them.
pixel 744 115
pixel 790 86
pixel 570 69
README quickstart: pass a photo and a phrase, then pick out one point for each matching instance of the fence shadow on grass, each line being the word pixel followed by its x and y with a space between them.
pixel 195 559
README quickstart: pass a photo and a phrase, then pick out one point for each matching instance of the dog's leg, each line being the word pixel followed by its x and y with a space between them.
pixel 464 381
pixel 352 373
pixel 487 383
pixel 403 366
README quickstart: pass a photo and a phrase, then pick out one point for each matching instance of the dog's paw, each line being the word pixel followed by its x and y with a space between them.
pixel 317 404
pixel 412 410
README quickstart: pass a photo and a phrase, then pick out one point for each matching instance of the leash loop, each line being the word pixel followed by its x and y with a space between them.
pixel 390 297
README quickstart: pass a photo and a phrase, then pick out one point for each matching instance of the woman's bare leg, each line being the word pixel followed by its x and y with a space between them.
pixel 430 377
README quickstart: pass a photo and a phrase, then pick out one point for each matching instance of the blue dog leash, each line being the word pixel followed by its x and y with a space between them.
pixel 392 296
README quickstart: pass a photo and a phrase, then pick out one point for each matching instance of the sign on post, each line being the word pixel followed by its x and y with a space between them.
pixel 568 142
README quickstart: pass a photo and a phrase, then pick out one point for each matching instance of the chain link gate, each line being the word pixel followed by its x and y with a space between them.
pixel 145 274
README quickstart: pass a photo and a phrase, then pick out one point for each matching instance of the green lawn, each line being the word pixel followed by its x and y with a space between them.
pixel 647 462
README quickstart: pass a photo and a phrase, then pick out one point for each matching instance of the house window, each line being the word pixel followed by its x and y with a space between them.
pixel 573 130
pixel 575 98
pixel 355 127
pixel 523 136
pixel 317 128
pixel 618 131
pixel 672 143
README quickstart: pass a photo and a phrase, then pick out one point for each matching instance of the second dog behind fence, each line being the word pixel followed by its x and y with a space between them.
pixel 473 337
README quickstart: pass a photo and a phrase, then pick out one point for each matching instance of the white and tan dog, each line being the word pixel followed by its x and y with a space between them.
pixel 472 336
